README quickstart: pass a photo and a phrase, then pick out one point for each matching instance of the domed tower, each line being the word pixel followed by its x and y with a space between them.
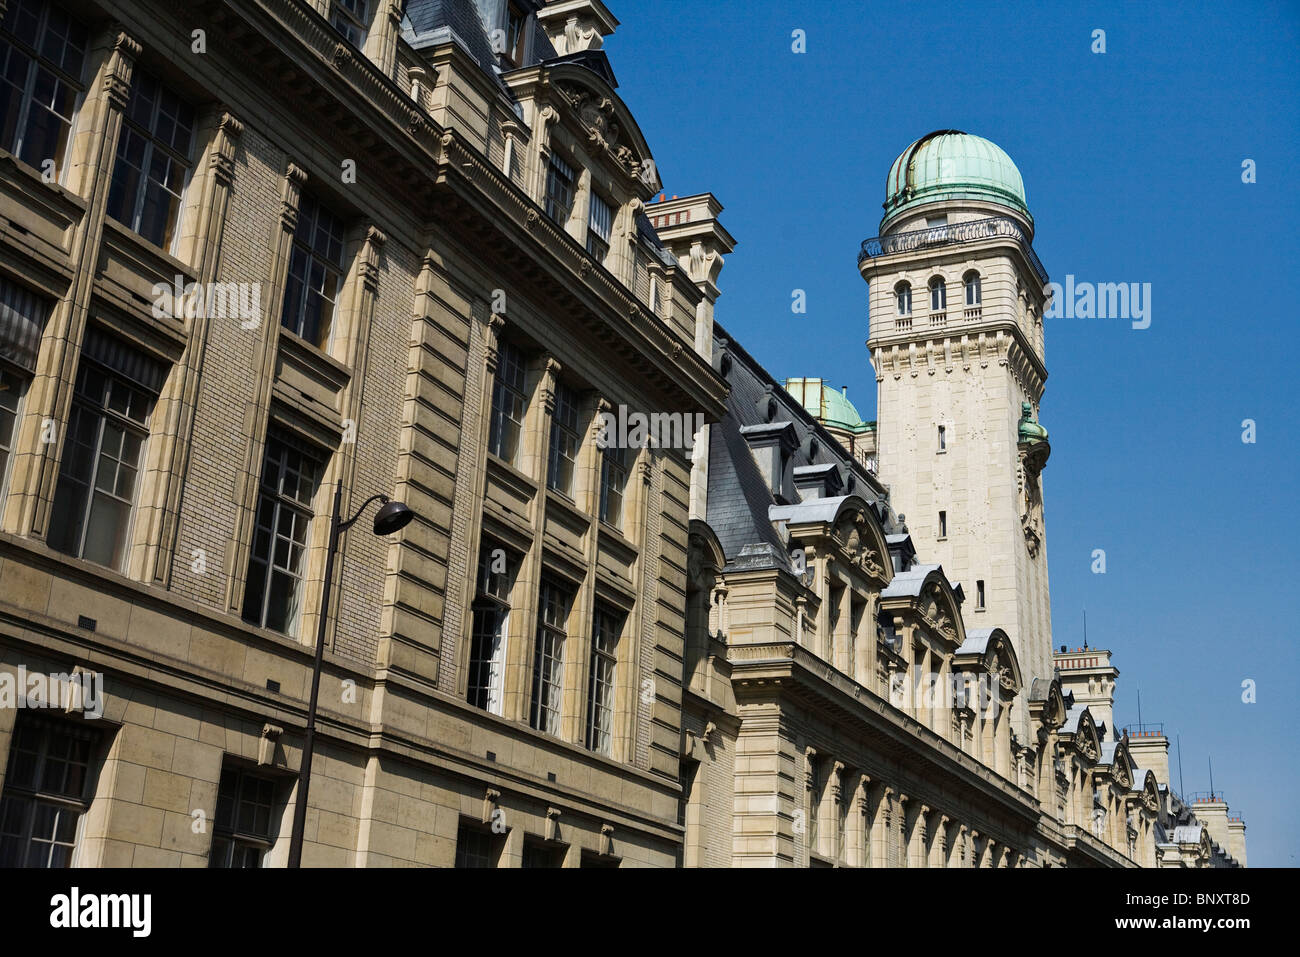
pixel 956 299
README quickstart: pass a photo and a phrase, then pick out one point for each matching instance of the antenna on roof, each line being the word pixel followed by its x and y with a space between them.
pixel 1139 691
pixel 1085 628
pixel 1211 763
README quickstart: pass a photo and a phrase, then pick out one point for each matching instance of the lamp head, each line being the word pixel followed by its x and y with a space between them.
pixel 392 517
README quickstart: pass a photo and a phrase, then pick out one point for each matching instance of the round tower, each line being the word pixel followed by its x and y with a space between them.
pixel 956 297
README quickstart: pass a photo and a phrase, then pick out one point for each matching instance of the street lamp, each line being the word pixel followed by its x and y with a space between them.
pixel 391 517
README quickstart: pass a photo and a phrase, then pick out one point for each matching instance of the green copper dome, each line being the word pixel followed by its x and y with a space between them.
pixel 950 164
pixel 830 406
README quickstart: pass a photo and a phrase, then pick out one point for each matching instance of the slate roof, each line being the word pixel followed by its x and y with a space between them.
pixel 977 641
pixel 908 584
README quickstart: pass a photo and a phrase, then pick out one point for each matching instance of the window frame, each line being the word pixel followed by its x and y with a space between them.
pixel 938 295
pixel 490 600
pixel 614 462
pixel 11 417
pixel 340 10
pixel 566 423
pixel 903 298
pixel 105 416
pixel 600 229
pixel 231 835
pixel 302 510
pixel 560 173
pixel 133 127
pixel 546 698
pixel 38 795
pixel 312 215
pixel 973 282
pixel 36 62
pixel 506 423
pixel 602 679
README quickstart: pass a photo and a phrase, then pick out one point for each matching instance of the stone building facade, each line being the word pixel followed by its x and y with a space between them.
pixel 254 251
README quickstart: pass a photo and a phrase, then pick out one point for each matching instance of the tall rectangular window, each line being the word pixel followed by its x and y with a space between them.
pixel 153 161
pixel 509 403
pixel 22 323
pixel 42 62
pixel 103 449
pixel 943 439
pixel 476 846
pixel 315 273
pixel 614 464
pixel 564 441
pixel 560 180
pixel 943 524
pixel 243 830
pixel 516 20
pixel 605 631
pixel 290 476
pixel 548 658
pixel 11 394
pixel 47 789
pixel 979 593
pixel 497 568
pixel 599 223
pixel 352 19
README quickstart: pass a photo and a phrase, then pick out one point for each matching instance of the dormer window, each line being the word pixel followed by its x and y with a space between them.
pixel 938 295
pixel 903 296
pixel 600 220
pixel 351 18
pixel 516 18
pixel 560 180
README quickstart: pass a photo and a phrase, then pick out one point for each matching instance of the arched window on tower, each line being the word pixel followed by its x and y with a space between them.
pixel 903 294
pixel 974 295
pixel 938 295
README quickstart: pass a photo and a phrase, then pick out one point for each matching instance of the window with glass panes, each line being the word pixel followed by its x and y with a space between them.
pixel 509 403
pixel 153 161
pixel 938 295
pixel 103 449
pixel 315 273
pixel 599 223
pixel 487 657
pixel 548 658
pixel 974 296
pixel 22 322
pixel 291 473
pixel 605 630
pixel 476 846
pixel 11 393
pixel 42 64
pixel 541 854
pixel 243 830
pixel 516 18
pixel 564 441
pixel 47 789
pixel 614 463
pixel 560 180
pixel 352 19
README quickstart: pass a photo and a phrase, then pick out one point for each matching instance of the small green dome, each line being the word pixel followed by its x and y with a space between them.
pixel 829 406
pixel 950 164
pixel 1029 429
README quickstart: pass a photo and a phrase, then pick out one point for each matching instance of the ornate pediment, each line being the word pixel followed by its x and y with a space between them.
pixel 598 115
pixel 858 541
pixel 934 606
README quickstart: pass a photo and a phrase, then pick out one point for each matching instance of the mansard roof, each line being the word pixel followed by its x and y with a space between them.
pixel 740 503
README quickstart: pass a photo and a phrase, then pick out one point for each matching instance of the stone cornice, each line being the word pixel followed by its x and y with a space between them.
pixel 785 668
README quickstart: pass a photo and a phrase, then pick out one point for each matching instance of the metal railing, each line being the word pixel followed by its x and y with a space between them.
pixel 994 227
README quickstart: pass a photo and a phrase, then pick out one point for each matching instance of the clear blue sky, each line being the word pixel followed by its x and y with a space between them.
pixel 1132 165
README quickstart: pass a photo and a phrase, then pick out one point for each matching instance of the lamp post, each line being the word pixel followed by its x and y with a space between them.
pixel 391 517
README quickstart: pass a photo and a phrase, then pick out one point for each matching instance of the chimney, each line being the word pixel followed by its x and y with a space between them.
pixel 1237 839
pixel 1150 749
